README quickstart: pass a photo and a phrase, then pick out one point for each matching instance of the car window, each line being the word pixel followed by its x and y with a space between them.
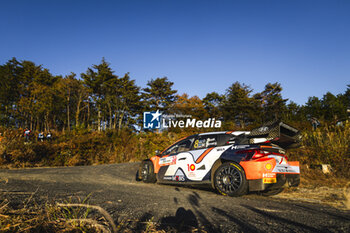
pixel 171 150
pixel 205 142
pixel 185 145
pixel 181 146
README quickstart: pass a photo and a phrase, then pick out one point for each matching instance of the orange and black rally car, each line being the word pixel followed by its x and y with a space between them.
pixel 233 163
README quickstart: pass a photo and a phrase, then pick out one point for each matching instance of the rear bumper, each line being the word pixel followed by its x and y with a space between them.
pixel 291 180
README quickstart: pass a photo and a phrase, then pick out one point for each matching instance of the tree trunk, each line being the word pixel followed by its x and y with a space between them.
pixel 31 122
pixel 68 120
pixel 99 120
pixel 110 115
pixel 88 116
pixel 242 122
pixel 37 124
pixel 77 114
pixel 115 121
pixel 121 116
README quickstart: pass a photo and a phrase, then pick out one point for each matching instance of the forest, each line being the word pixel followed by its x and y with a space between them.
pixel 30 96
pixel 96 117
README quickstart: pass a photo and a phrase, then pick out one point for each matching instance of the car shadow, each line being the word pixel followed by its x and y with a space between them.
pixel 183 221
pixel 243 225
pixel 283 220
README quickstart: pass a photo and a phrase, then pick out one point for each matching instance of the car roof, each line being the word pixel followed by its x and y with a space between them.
pixel 225 132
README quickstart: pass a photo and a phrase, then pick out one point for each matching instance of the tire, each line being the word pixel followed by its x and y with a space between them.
pixel 137 175
pixel 229 179
pixel 146 172
pixel 271 192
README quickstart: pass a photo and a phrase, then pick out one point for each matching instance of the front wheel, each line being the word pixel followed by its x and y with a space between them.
pixel 229 179
pixel 146 172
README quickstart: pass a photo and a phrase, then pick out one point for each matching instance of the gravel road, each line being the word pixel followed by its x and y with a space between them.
pixel 114 188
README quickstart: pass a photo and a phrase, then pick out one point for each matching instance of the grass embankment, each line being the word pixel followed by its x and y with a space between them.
pixel 81 148
pixel 327 145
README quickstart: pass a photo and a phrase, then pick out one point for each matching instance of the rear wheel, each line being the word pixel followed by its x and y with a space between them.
pixel 229 179
pixel 146 172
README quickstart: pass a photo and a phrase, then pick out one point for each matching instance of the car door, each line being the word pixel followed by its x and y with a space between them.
pixel 172 161
pixel 200 157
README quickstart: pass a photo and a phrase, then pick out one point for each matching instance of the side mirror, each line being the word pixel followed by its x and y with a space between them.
pixel 157 152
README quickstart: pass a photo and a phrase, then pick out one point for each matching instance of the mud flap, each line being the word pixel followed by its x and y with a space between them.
pixel 293 180
pixel 259 185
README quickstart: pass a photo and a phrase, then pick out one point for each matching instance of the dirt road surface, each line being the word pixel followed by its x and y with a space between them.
pixel 114 188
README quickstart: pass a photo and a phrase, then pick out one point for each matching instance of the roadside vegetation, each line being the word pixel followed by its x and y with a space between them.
pixel 97 118
pixel 326 145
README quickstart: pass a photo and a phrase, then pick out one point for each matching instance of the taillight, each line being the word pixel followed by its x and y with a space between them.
pixel 260 153
pixel 253 154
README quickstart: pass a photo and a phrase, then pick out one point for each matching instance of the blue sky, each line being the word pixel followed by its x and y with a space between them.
pixel 202 46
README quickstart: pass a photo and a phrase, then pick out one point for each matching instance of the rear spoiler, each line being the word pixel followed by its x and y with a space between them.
pixel 277 133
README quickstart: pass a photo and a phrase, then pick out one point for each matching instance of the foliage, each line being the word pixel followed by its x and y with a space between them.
pixel 238 106
pixel 272 102
pixel 326 145
pixel 82 148
pixel 190 106
pixel 159 94
pixel 31 97
pixel 212 102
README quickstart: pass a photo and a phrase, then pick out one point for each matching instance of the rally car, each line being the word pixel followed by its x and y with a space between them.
pixel 232 162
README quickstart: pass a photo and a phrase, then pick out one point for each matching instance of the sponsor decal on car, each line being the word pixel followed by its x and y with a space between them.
pixel 166 161
pixel 178 178
pixel 191 174
pixel 234 147
pixel 269 175
pixel 168 178
pixel 285 168
pixel 269 180
pixel 191 167
pixel 220 149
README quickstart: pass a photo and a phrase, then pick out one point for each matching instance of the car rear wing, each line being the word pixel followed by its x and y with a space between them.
pixel 277 133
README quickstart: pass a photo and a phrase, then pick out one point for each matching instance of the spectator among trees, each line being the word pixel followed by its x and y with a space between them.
pixel 27 134
pixel 41 137
pixel 315 123
pixel 48 136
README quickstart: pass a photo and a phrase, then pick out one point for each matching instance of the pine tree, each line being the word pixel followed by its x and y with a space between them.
pixel 159 94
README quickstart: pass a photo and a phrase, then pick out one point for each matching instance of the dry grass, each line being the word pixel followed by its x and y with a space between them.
pixel 314 177
pixel 29 216
pixel 317 187
pixel 346 193
pixel 71 149
pixel 327 145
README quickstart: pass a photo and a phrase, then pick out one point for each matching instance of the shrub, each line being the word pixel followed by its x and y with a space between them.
pixel 327 145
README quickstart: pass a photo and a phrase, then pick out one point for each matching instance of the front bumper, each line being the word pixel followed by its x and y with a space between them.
pixel 291 180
